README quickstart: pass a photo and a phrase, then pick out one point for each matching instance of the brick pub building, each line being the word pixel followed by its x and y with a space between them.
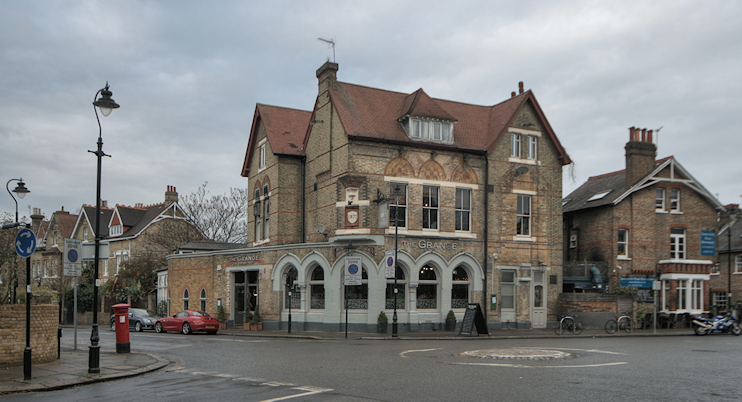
pixel 479 216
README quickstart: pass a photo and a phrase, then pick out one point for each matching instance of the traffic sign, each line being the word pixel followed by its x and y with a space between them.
pixel 353 271
pixel 25 243
pixel 389 264
pixel 72 257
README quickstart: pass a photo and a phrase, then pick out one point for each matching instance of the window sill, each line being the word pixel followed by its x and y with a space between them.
pixel 623 258
pixel 524 161
pixel 660 211
pixel 524 239
pixel 260 243
pixel 676 212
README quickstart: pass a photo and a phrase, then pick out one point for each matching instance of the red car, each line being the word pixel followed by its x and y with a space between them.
pixel 187 322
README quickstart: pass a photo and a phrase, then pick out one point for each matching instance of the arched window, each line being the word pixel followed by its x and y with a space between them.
pixel 203 299
pixel 317 288
pixel 460 288
pixel 185 299
pixel 266 213
pixel 427 288
pixel 295 291
pixel 358 295
pixel 401 286
pixel 256 214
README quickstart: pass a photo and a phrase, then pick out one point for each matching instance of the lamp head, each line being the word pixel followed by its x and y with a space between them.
pixel 105 103
pixel 21 189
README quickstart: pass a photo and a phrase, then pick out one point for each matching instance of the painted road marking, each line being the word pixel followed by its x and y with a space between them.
pixel 581 350
pixel 402 354
pixel 309 391
pixel 526 366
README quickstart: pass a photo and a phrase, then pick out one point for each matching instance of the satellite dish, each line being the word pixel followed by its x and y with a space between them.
pixel 320 229
pixel 522 170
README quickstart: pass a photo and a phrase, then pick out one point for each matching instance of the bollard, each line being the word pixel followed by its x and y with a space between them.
pixel 59 342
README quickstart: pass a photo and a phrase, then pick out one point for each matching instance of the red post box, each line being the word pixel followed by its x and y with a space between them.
pixel 121 317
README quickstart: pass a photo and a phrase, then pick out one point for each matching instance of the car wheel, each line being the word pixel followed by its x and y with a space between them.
pixel 138 327
pixel 186 328
pixel 158 327
pixel 113 325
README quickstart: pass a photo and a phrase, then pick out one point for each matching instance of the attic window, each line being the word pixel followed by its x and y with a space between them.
pixel 430 130
pixel 599 195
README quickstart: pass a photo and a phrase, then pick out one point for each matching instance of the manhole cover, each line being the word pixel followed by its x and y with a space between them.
pixel 518 354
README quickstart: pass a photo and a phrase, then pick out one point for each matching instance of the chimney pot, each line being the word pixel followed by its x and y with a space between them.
pixel 644 135
pixel 512 94
pixel 649 136
pixel 520 87
pixel 631 133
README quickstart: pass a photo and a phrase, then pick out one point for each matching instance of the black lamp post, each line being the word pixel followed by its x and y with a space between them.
pixel 396 194
pixel 349 249
pixel 106 105
pixel 732 215
pixel 21 190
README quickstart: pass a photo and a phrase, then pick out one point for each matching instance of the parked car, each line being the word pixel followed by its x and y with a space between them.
pixel 187 322
pixel 139 319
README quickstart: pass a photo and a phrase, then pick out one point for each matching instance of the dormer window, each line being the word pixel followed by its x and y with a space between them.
pixel 117 230
pixel 430 130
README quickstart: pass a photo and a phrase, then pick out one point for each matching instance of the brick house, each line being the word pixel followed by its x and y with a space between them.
pixel 46 261
pixel 646 221
pixel 479 215
pixel 729 246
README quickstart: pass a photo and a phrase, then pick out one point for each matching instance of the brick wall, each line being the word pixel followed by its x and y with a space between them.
pixel 13 333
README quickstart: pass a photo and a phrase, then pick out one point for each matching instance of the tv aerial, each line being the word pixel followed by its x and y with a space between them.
pixel 330 41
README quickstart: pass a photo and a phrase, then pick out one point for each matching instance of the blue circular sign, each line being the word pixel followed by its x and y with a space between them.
pixel 389 262
pixel 353 269
pixel 72 255
pixel 25 243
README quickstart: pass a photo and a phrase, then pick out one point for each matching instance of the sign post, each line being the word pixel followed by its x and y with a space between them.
pixel 25 245
pixel 389 264
pixel 73 267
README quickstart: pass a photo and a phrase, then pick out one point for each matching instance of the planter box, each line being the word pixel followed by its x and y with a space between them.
pixel 246 326
pixel 256 326
pixel 381 326
pixel 450 325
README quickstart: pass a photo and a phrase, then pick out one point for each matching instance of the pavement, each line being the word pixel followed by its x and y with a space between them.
pixel 71 369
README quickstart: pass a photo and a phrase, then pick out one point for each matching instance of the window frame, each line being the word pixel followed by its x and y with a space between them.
pixel 507 301
pixel 430 130
pixel 624 242
pixel 261 160
pixel 186 299
pixel 515 142
pixel 402 207
pixel 428 210
pixel 461 283
pixel 532 147
pixel 737 263
pixel 523 216
pixel 317 283
pixel 463 211
pixel 266 212
pixel 677 244
pixel 659 199
pixel 421 283
pixel 674 200
pixel 202 299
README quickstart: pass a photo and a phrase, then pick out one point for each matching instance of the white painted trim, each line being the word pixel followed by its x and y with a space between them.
pixel 362 203
pixel 675 277
pixel 461 235
pixel 525 131
pixel 523 161
pixel 524 239
pixel 705 262
pixel 408 180
pixel 352 231
pixel 524 192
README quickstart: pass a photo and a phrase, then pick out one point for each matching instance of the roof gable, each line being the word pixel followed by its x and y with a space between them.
pixel 419 104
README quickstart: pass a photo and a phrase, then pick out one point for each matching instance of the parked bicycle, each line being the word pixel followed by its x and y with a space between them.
pixel 568 324
pixel 623 323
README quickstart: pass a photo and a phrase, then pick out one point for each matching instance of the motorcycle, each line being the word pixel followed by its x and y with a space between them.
pixel 721 323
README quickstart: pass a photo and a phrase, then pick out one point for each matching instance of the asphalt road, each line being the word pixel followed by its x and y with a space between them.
pixel 270 369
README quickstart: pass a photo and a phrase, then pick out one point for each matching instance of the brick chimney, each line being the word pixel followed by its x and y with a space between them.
pixel 327 76
pixel 171 195
pixel 641 154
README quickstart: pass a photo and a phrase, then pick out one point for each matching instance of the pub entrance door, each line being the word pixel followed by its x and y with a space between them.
pixel 246 294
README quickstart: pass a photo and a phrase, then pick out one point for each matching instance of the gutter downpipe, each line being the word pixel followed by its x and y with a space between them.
pixel 486 232
pixel 303 198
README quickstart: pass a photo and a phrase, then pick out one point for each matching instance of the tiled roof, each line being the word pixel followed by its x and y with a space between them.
pixel 129 216
pixel 145 217
pixel 105 217
pixel 736 238
pixel 614 182
pixel 210 246
pixel 66 223
pixel 285 128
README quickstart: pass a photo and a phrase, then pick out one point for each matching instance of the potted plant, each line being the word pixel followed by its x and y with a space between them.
pixel 221 316
pixel 382 323
pixel 246 321
pixel 256 323
pixel 450 321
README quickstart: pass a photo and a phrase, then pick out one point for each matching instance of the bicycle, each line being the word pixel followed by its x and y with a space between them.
pixel 568 324
pixel 623 323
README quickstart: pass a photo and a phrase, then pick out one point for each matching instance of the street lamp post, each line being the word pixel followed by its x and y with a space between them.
pixel 349 249
pixel 396 194
pixel 21 190
pixel 106 105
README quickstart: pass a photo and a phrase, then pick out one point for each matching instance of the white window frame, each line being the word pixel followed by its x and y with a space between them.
pixel 737 263
pixel 261 164
pixel 431 130
pixel 720 300
pixel 429 209
pixel 85 234
pixel 186 299
pixel 463 208
pixel 677 245
pixel 514 145
pixel 402 206
pixel 696 294
pixel 523 216
pixel 624 243
pixel 532 147
pixel 674 200
pixel 659 199
pixel 266 212
pixel 681 293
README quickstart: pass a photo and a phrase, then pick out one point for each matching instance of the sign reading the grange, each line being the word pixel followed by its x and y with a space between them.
pixel 424 244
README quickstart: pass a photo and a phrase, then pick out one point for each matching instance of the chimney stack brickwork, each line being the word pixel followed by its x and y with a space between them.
pixel 171 195
pixel 640 155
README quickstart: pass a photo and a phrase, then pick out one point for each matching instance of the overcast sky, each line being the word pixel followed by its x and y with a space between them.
pixel 188 74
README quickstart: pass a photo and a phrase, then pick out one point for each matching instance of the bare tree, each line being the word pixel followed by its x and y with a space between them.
pixel 10 263
pixel 222 217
